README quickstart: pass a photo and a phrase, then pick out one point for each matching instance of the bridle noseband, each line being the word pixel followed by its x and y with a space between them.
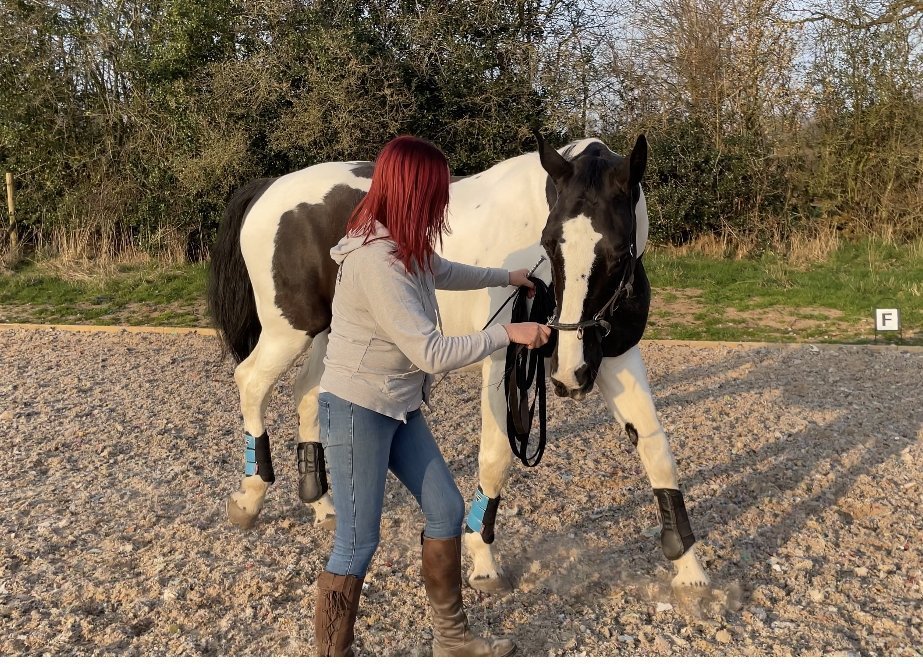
pixel 625 289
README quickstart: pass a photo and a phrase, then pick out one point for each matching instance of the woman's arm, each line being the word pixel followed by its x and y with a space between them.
pixel 458 276
pixel 397 308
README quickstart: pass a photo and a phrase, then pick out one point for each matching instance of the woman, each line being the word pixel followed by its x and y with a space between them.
pixel 383 348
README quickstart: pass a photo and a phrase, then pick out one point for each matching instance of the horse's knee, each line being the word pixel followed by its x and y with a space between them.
pixel 495 454
pixel 652 443
pixel 242 373
pixel 308 420
pixel 494 463
pixel 271 356
pixel 252 391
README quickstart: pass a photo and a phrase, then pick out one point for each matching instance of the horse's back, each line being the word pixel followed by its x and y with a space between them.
pixel 313 185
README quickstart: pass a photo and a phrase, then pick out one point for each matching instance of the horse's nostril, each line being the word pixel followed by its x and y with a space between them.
pixel 582 374
pixel 559 389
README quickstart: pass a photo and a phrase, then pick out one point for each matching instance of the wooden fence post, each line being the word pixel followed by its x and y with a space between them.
pixel 11 206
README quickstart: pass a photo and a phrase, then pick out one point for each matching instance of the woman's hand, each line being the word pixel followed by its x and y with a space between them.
pixel 521 278
pixel 530 335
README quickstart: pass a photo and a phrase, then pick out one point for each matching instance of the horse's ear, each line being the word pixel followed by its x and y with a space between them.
pixel 554 164
pixel 637 162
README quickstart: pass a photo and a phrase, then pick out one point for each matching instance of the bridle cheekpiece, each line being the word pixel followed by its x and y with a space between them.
pixel 624 290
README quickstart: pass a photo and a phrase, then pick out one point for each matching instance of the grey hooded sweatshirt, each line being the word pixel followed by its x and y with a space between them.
pixel 385 342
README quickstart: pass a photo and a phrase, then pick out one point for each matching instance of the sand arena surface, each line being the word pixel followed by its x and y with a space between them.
pixel 801 471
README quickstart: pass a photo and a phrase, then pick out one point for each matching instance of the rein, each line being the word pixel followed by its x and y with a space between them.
pixel 523 367
pixel 514 294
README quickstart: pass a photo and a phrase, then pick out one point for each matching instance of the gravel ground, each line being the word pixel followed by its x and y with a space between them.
pixel 801 469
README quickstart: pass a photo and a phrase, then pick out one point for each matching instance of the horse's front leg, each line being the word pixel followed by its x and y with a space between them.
pixel 623 383
pixel 494 459
pixel 312 479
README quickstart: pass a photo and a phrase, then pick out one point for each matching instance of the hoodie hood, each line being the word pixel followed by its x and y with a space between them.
pixel 350 243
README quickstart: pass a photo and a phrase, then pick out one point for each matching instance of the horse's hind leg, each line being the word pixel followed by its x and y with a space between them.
pixel 623 383
pixel 307 386
pixel 494 459
pixel 255 376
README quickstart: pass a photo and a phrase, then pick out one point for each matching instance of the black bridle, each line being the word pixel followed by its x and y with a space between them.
pixel 623 291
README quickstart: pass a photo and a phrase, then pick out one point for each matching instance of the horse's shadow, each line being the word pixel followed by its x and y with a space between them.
pixel 748 506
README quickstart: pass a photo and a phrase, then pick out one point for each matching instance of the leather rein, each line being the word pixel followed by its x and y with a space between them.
pixel 525 367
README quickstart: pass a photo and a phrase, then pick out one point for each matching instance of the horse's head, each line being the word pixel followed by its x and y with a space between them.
pixel 590 238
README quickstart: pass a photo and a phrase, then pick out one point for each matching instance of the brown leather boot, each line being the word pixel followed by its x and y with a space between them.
pixel 442 577
pixel 335 614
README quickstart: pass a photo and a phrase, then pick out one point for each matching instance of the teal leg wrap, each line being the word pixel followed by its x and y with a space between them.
pixel 482 516
pixel 250 455
pixel 257 458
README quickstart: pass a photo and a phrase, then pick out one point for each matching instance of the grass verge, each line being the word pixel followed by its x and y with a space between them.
pixel 769 299
pixel 130 294
pixel 696 296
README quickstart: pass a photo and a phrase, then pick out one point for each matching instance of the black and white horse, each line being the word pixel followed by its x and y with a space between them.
pixel 582 208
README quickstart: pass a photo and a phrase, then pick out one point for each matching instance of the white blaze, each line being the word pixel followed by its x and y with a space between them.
pixel 578 249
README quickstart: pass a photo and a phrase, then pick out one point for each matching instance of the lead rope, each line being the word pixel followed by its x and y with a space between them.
pixel 523 368
pixel 491 320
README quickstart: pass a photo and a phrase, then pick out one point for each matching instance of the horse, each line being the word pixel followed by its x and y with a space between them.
pixel 581 208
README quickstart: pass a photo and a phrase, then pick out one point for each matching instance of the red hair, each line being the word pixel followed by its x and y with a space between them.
pixel 409 196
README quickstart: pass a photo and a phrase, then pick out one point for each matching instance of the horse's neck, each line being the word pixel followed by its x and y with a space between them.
pixel 511 193
pixel 497 212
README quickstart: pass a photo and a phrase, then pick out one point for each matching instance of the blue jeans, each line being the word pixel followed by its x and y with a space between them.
pixel 360 447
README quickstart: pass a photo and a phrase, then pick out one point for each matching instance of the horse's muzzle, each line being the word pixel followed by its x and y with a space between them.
pixel 562 391
pixel 583 378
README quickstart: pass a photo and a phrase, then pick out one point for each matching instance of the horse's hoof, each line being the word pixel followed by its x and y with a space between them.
pixel 327 523
pixel 690 577
pixel 237 516
pixel 493 585
pixel 690 590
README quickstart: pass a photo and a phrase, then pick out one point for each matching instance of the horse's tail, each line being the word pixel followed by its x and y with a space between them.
pixel 230 293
